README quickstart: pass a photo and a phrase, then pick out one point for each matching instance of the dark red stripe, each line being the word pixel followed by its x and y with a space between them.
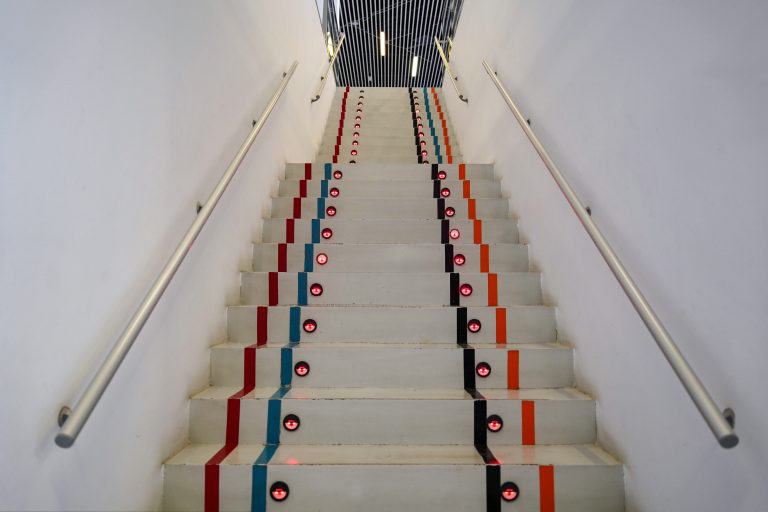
pixel 273 289
pixel 282 257
pixel 261 325
pixel 307 171
pixel 289 231
pixel 303 188
pixel 296 207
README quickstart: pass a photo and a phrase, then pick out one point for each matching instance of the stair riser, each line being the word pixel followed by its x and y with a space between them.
pixel 373 208
pixel 401 488
pixel 369 138
pixel 393 189
pixel 389 258
pixel 378 150
pixel 376 172
pixel 392 289
pixel 545 366
pixel 524 324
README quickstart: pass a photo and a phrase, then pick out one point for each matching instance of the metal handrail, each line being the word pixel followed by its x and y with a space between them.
pixel 324 78
pixel 450 73
pixel 71 421
pixel 720 422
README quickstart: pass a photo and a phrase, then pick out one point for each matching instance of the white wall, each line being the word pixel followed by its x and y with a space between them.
pixel 115 119
pixel 656 111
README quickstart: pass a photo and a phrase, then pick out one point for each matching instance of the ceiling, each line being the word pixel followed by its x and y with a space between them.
pixel 410 27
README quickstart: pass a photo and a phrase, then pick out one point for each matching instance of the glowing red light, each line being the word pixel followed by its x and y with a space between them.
pixel 442 175
pixel 465 289
pixel 301 368
pixel 357 118
pixel 291 422
pixel 450 211
pixel 421 126
pixel 321 258
pixel 330 211
pixel 474 325
pixel 326 233
pixel 357 125
pixel 355 143
pixel 337 175
pixel 418 111
pixel 279 491
pixel 334 192
pixel 423 143
pixel 353 152
pixel 316 289
pixel 418 118
pixel 356 134
pixel 424 152
pixel 483 369
pixel 510 491
pixel 309 325
pixel 360 97
pixel 445 192
pixel 495 423
pixel 421 134
pixel 459 259
pixel 454 234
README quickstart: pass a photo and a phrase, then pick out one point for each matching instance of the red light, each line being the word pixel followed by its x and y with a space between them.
pixel 424 152
pixel 423 143
pixel 279 491
pixel 357 118
pixel 474 325
pixel 353 161
pixel 418 111
pixel 337 175
pixel 353 152
pixel 418 118
pixel 291 422
pixel 421 126
pixel 334 192
pixel 330 211
pixel 327 233
pixel 445 192
pixel 450 211
pixel 466 289
pixel 510 491
pixel 309 325
pixel 359 111
pixel 356 134
pixel 442 175
pixel 360 97
pixel 321 258
pixel 355 143
pixel 357 125
pixel 454 234
pixel 301 368
pixel 316 289
pixel 483 369
pixel 425 162
pixel 459 259
pixel 495 423
pixel 421 134
pixel 359 103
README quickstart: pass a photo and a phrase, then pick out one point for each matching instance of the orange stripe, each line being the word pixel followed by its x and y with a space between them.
pixel 513 369
pixel 501 326
pixel 462 171
pixel 529 422
pixel 450 159
pixel 484 258
pixel 478 231
pixel 547 488
pixel 493 293
pixel 467 189
pixel 471 209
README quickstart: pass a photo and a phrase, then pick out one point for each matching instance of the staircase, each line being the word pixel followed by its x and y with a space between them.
pixel 391 351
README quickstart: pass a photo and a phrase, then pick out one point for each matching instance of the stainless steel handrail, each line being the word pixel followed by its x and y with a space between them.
pixel 717 420
pixel 324 78
pixel 450 73
pixel 72 421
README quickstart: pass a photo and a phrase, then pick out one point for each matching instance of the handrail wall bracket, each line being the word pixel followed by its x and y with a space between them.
pixel 324 78
pixel 454 78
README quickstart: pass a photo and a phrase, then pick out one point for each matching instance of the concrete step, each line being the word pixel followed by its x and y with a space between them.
pixel 382 208
pixel 395 189
pixel 379 172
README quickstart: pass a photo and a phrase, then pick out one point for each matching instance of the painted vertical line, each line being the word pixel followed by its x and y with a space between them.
pixel 492 488
pixel 308 171
pixel 294 330
pixel 501 326
pixel 513 369
pixel 289 231
pixel 327 171
pixel 484 258
pixel 296 207
pixel 467 189
pixel 445 228
pixel 320 208
pixel 262 319
pixel 273 421
pixel 274 293
pixel 528 410
pixel 286 366
pixel 301 289
pixel 461 326
pixel 315 231
pixel 462 171
pixel 309 257
pixel 448 257
pixel 282 257
pixel 493 290
pixel 454 291
pixel 323 188
pixel 547 489
pixel 471 209
pixel 436 189
pixel 477 231
pixel 441 208
pixel 481 431
pixel 303 188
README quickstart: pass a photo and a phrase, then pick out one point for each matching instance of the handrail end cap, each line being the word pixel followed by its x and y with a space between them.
pixel 729 440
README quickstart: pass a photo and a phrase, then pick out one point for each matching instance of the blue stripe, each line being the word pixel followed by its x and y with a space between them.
pixel 301 295
pixel 273 421
pixel 286 366
pixel 309 257
pixel 315 231
pixel 259 481
pixel 324 188
pixel 327 171
pixel 320 207
pixel 294 328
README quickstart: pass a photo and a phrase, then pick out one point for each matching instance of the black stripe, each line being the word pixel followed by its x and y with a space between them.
pixel 493 488
pixel 440 208
pixel 469 369
pixel 434 170
pixel 481 413
pixel 436 189
pixel 448 257
pixel 461 328
pixel 454 289
pixel 445 227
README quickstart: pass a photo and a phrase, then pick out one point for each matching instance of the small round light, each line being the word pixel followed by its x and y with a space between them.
pixel 353 161
pixel 357 125
pixel 442 175
pixel 337 175
pixel 326 233
pixel 360 97
pixel 316 289
pixel 454 234
pixel 357 118
pixel 423 143
pixel 418 118
pixel 424 152
pixel 359 103
pixel 279 491
pixel 474 325
pixel 459 259
pixel 445 192
pixel 301 368
pixel 359 111
pixel 356 134
pixel 465 289
pixel 421 134
pixel 309 325
pixel 425 162
pixel 509 491
pixel 355 143
pixel 291 422
pixel 330 211
pixel 494 423
pixel 421 126
pixel 450 211
pixel 353 152
pixel 321 258
pixel 334 192
pixel 362 90
pixel 418 111
pixel 483 369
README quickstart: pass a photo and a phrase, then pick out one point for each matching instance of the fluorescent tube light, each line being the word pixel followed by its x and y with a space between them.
pixel 415 66
pixel 383 43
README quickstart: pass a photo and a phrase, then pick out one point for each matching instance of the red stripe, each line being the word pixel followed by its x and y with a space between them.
pixel 462 171
pixel 273 289
pixel 513 369
pixel 289 231
pixel 308 171
pixel 296 208
pixel 303 188
pixel 484 258
pixel 282 257
pixel 338 140
pixel 547 489
pixel 467 190
pixel 335 159
pixel 472 209
pixel 501 326
pixel 493 290
pixel 261 325
pixel 529 422
pixel 478 231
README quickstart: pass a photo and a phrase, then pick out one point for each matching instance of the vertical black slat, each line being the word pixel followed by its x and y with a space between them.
pixel 436 189
pixel 445 227
pixel 481 413
pixel 448 257
pixel 493 488
pixel 461 333
pixel 440 208
pixel 434 170
pixel 469 369
pixel 454 282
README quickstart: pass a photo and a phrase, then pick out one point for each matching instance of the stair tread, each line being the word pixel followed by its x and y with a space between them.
pixel 319 345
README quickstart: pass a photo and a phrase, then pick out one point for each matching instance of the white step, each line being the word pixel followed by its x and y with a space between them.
pixel 400 189
pixel 379 172
pixel 383 208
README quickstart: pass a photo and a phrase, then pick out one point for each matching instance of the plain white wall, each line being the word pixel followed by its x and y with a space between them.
pixel 116 118
pixel 656 112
